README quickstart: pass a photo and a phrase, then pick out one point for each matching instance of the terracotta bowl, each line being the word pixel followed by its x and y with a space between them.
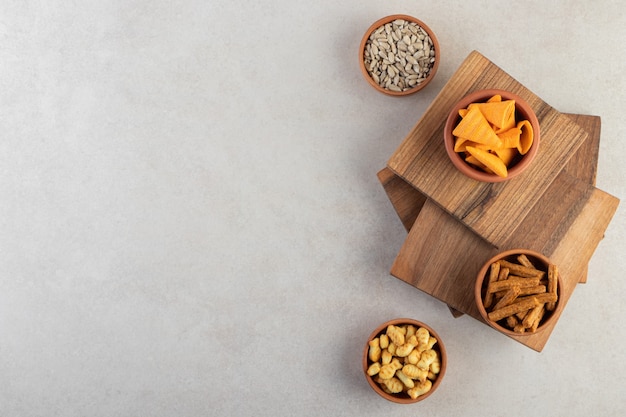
pixel 518 165
pixel 436 55
pixel 403 397
pixel 540 262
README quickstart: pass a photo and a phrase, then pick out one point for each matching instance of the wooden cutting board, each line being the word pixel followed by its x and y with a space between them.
pixel 441 256
pixel 493 211
pixel 408 201
pixel 565 218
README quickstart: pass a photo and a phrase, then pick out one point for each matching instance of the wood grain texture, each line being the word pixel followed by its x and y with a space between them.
pixel 584 163
pixel 441 256
pixel 408 201
pixel 493 211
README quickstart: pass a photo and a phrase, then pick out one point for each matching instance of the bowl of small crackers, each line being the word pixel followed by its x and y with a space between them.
pixel 404 360
pixel 517 292
pixel 491 135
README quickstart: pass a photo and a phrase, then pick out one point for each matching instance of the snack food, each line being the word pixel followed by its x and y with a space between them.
pixel 490 136
pixel 517 295
pixel 399 55
pixel 410 363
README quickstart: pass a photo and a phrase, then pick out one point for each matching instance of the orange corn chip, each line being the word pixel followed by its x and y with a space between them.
pixel 476 128
pixel 499 113
pixel 510 138
pixel 461 143
pixel 472 160
pixel 506 154
pixel 526 136
pixel 495 99
pixel 509 124
pixel 462 112
pixel 491 161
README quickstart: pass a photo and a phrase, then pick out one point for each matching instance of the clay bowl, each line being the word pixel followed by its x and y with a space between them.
pixel 430 69
pixel 403 397
pixel 540 262
pixel 523 111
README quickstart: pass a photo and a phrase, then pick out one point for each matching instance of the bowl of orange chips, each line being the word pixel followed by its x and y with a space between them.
pixel 491 135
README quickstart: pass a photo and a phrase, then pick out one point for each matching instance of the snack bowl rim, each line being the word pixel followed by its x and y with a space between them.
pixel 439 347
pixel 482 275
pixel 521 106
pixel 387 19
